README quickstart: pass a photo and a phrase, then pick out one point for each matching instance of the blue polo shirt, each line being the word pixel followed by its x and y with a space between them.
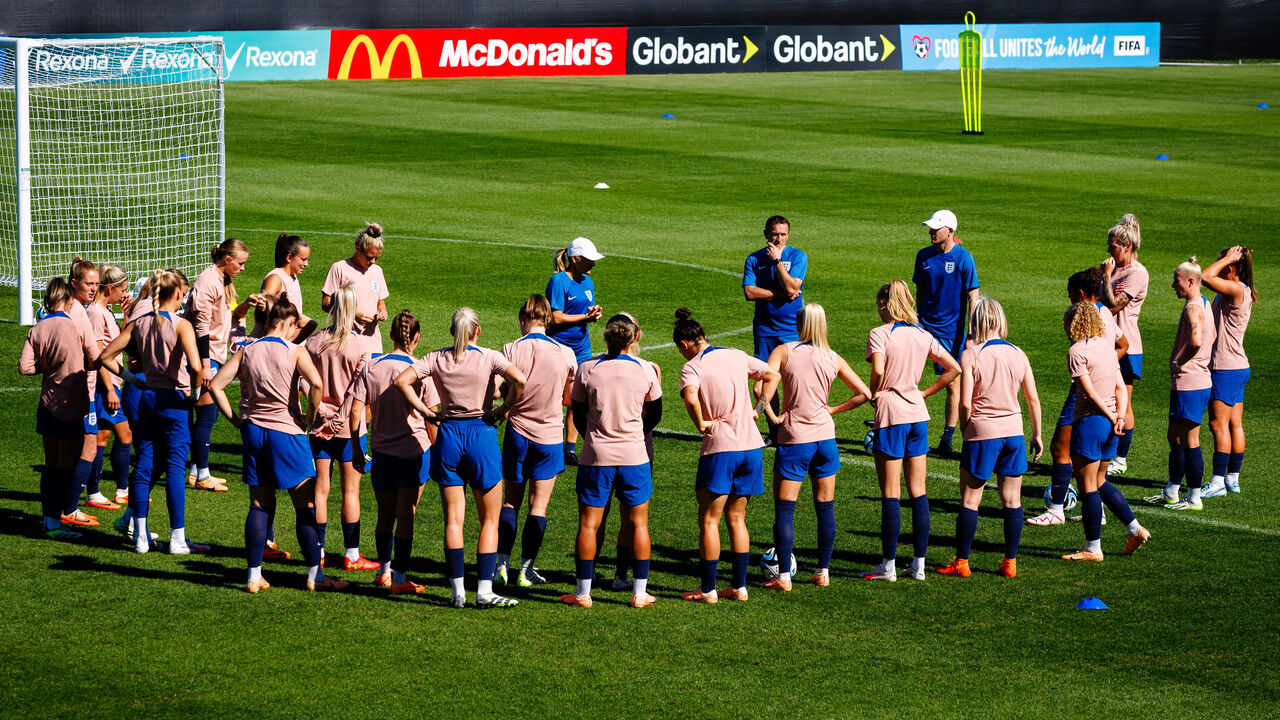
pixel 572 297
pixel 943 281
pixel 775 318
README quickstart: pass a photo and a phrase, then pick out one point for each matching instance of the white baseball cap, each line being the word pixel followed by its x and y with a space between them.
pixel 941 219
pixel 582 247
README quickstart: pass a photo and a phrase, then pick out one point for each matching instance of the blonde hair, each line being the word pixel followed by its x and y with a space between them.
pixel 619 333
pixel 111 275
pixel 228 248
pixel 1125 234
pixel 561 263
pixel 987 320
pixel 1190 268
pixel 463 327
pixel 898 301
pixel 1135 234
pixel 811 321
pixel 403 327
pixel 1083 322
pixel 57 293
pixel 369 237
pixel 342 317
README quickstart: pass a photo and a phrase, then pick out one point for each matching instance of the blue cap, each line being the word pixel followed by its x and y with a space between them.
pixel 1263 106
pixel 668 116
pixel 1092 604
pixel 1162 156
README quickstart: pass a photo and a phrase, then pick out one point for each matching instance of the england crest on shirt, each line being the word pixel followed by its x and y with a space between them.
pixel 375 284
pixel 786 265
pixel 949 266
pixel 590 295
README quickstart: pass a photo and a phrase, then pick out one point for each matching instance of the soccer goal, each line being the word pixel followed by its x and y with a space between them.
pixel 111 149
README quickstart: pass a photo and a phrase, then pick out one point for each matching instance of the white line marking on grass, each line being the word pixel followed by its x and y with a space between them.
pixel 664 346
pixel 1173 514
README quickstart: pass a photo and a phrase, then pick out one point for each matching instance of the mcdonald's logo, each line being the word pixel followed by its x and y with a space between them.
pixel 380 68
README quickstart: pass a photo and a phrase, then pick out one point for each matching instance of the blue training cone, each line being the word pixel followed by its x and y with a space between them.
pixel 1263 106
pixel 1092 604
pixel 1162 156
pixel 668 116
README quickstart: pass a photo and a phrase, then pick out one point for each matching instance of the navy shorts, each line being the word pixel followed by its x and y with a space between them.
pixel 903 440
pixel 816 459
pixel 1131 368
pixel 764 346
pixel 48 424
pixel 952 343
pixel 1006 457
pixel 1188 405
pixel 332 449
pixel 524 459
pixel 390 472
pixel 733 472
pixel 633 484
pixel 1094 438
pixel 105 416
pixel 275 459
pixel 1068 407
pixel 466 453
pixel 1228 385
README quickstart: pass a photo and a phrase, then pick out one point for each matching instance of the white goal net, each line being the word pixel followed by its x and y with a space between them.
pixel 109 149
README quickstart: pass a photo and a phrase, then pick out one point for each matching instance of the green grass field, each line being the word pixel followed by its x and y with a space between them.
pixel 477 181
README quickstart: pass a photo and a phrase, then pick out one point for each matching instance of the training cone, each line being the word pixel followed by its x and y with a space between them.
pixel 601 186
pixel 1092 604
pixel 669 116
pixel 1162 156
pixel 1263 106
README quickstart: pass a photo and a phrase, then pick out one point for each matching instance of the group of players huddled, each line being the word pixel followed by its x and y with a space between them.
pixel 434 417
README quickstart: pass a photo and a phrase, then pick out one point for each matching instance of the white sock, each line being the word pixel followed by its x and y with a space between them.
pixel 192 469
pixel 917 564
pixel 352 554
pixel 525 565
pixel 584 588
pixel 314 574
pixel 255 574
pixel 484 588
pixel 458 589
pixel 1094 546
pixel 1233 478
pixel 1216 480
pixel 1193 495
pixel 1133 527
pixel 1171 489
pixel 640 587
pixel 384 568
pixel 1056 509
pixel 141 537
pixel 178 536
pixel 397 578
pixel 202 473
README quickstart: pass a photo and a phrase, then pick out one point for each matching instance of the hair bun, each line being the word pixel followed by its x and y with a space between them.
pixel 373 230
pixel 683 314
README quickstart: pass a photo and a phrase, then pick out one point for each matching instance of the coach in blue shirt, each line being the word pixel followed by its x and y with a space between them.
pixel 773 279
pixel 946 281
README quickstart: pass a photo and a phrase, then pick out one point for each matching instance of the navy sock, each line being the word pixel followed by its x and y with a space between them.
pixel 79 477
pixel 1012 531
pixel 308 533
pixel 1220 460
pixel 966 526
pixel 947 433
pixel 920 524
pixel 351 534
pixel 784 533
pixel 271 526
pixel 486 565
pixel 586 569
pixel 1091 514
pixel 641 569
pixel 1115 502
pixel 708 568
pixel 322 529
pixel 255 534
pixel 506 530
pixel 1059 483
pixel 120 453
pixel 624 560
pixel 535 527
pixel 569 447
pixel 1122 445
pixel 50 492
pixel 403 549
pixel 1193 461
pixel 1177 464
pixel 92 485
pixel 826 531
pixel 890 526
pixel 1234 461
pixel 201 432
pixel 741 561
pixel 455 562
pixel 382 543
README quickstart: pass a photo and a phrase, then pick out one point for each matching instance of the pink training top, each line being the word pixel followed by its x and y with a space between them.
pixel 1231 321
pixel 397 429
pixel 721 374
pixel 653 374
pixel 905 348
pixel 337 366
pixel 1134 280
pixel 58 349
pixel 140 307
pixel 1096 358
pixel 160 353
pixel 210 312
pixel 547 366
pixel 81 318
pixel 615 389
pixel 289 284
pixel 1194 375
pixel 806 384
pixel 102 322
pixel 465 387
pixel 998 369
pixel 268 372
pixel 370 287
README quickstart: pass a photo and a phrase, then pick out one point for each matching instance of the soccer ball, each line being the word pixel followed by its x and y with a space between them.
pixel 869 441
pixel 1071 498
pixel 769 563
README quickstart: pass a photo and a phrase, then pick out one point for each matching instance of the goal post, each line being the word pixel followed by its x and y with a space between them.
pixel 112 149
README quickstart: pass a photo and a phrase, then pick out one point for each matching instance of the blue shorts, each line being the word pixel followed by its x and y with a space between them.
pixel 733 472
pixel 1006 457
pixel 1068 407
pixel 275 459
pixel 581 349
pixel 332 449
pixel 817 459
pixel 130 394
pixel 903 440
pixel 524 459
pixel 466 453
pixel 48 424
pixel 1228 385
pixel 1131 368
pixel 953 343
pixel 1188 405
pixel 390 472
pixel 105 416
pixel 764 346
pixel 1094 438
pixel 633 484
